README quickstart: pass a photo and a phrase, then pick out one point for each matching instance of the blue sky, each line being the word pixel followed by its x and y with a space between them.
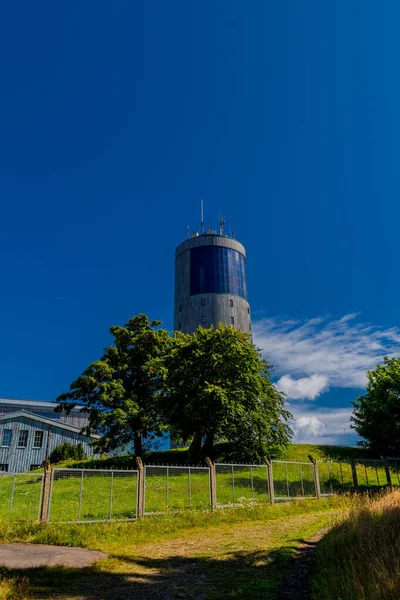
pixel 116 118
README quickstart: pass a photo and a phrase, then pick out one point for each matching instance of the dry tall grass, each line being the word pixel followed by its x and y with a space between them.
pixel 359 559
pixel 14 588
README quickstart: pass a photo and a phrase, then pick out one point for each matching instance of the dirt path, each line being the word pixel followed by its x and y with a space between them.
pixel 242 561
pixel 296 584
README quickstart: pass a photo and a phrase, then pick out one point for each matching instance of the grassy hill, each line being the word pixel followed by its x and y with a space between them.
pixel 178 456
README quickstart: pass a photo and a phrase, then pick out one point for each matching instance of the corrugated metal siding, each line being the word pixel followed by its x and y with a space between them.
pixel 19 460
pixel 45 409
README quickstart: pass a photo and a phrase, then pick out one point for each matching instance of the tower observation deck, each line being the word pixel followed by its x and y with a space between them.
pixel 211 282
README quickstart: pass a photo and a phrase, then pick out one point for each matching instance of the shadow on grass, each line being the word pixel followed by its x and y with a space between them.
pixel 343 453
pixel 239 575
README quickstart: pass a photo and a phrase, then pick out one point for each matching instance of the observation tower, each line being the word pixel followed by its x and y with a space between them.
pixel 210 281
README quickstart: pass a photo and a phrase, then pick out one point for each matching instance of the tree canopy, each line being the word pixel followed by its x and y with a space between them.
pixel 218 387
pixel 119 391
pixel 376 415
pixel 212 385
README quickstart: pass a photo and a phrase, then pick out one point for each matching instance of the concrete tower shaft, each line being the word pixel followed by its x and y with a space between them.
pixel 211 283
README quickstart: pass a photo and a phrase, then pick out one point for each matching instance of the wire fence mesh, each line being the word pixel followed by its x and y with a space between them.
pixel 86 495
pixel 236 484
pixel 21 496
pixel 370 473
pixel 293 480
pixel 175 487
pixel 334 477
pixel 92 495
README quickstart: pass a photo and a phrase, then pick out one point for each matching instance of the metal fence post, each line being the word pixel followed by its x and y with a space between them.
pixel 140 488
pixel 316 477
pixel 354 473
pixel 111 493
pixel 44 509
pixel 80 495
pixel 12 495
pixel 189 490
pixel 213 484
pixel 270 480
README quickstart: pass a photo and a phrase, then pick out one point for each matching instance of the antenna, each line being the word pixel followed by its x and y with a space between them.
pixel 221 225
pixel 202 216
pixel 187 232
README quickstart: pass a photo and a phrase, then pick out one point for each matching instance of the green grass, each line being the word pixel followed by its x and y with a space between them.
pixel 91 495
pixel 26 496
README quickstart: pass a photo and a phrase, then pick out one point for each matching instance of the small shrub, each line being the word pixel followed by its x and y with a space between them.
pixel 67 451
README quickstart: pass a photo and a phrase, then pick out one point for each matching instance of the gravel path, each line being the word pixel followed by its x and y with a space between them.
pixel 27 556
pixel 296 583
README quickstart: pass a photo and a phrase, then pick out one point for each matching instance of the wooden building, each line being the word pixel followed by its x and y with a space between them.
pixel 30 430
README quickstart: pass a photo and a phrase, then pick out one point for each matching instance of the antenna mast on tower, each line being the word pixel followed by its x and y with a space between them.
pixel 202 216
pixel 221 225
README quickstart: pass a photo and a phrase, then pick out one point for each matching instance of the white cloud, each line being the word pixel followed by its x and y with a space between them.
pixel 305 387
pixel 322 425
pixel 340 351
pixel 309 427
pixel 313 355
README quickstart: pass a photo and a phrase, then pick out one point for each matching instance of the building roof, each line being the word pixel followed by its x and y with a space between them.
pixel 40 419
pixel 33 403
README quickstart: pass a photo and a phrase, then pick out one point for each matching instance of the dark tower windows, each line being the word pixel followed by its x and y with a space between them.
pixel 217 270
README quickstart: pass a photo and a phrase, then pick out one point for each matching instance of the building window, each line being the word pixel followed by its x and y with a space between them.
pixel 7 437
pixel 38 439
pixel 203 319
pixel 232 320
pixel 23 438
pixel 231 303
pixel 3 467
pixel 217 270
pixel 180 308
pixel 248 310
pixel 203 302
pixel 249 326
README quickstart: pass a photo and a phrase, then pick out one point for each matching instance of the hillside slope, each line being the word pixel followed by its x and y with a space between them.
pixel 178 456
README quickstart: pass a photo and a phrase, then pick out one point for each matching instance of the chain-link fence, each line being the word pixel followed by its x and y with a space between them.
pixel 21 496
pixel 175 488
pixel 370 473
pixel 334 477
pixel 236 484
pixel 93 495
pixel 293 480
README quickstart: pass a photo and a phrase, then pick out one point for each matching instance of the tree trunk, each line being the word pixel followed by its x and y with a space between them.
pixel 208 446
pixel 137 443
pixel 194 449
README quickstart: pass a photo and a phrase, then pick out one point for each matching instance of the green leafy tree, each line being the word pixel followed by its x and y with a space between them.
pixel 218 387
pixel 119 391
pixel 376 415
